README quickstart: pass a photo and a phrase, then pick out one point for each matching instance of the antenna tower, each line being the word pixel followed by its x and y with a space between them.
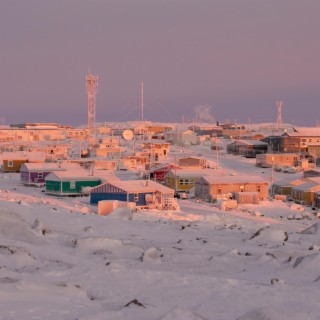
pixel 92 85
pixel 279 117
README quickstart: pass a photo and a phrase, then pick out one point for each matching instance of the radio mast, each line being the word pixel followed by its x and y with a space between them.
pixel 92 85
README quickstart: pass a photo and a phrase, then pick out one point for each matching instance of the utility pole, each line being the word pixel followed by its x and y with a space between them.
pixel 272 175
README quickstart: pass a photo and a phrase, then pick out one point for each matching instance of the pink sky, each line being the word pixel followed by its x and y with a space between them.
pixel 237 56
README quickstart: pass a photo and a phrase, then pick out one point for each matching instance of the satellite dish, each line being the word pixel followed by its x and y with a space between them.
pixel 127 135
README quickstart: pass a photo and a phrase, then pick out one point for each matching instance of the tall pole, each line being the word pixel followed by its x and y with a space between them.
pixel 92 85
pixel 272 175
pixel 217 153
pixel 142 101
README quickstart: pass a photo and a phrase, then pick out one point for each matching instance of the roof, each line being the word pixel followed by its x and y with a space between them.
pixel 307 186
pixel 141 186
pixel 162 166
pixel 42 166
pixel 305 131
pixel 67 175
pixel 251 142
pixel 213 179
pixel 24 155
pixel 192 172
pixel 189 132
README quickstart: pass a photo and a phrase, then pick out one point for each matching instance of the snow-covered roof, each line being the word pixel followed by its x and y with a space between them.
pixel 213 179
pixel 192 172
pixel 251 142
pixel 42 166
pixel 75 174
pixel 189 132
pixel 307 132
pixel 307 186
pixel 140 186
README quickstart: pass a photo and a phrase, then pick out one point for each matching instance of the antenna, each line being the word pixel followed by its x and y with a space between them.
pixel 142 97
pixel 92 85
pixel 279 117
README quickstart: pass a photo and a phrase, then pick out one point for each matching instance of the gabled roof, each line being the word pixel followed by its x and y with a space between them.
pixel 67 175
pixel 140 186
pixel 42 166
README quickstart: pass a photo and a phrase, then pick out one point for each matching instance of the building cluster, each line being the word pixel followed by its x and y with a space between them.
pixel 133 162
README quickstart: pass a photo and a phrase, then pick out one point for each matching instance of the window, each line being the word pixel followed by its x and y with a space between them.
pixel 136 197
pixel 241 188
pixel 258 188
pixel 181 181
pixel 72 184
pixel 219 191
pixel 186 181
pixel 10 163
pixel 40 175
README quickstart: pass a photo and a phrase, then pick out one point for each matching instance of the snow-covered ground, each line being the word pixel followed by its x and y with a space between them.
pixel 60 260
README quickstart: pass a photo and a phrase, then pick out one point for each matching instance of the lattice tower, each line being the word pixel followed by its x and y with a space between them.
pixel 92 85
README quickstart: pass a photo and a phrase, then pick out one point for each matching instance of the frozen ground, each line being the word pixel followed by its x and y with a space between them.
pixel 58 260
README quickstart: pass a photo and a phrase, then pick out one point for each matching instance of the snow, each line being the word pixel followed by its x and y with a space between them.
pixel 60 260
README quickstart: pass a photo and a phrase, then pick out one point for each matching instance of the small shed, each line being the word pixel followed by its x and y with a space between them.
pixel 144 193
pixel 192 162
pixel 246 197
pixel 70 182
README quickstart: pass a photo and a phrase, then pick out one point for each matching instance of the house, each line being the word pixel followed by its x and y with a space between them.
pixel 182 180
pixel 159 171
pixel 206 129
pixel 266 160
pixel 188 137
pixel 144 193
pixel 285 188
pixel 12 161
pixel 304 193
pixel 70 182
pixel 212 187
pixel 301 140
pixel 247 148
pixel 157 150
pixel 35 173
pixel 192 163
pixel 315 172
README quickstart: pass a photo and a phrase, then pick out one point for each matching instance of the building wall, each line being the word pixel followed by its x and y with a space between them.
pixel 203 190
pixel 16 165
pixel 53 186
pixel 139 198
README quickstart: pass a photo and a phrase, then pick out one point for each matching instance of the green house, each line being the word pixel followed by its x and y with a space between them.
pixel 70 182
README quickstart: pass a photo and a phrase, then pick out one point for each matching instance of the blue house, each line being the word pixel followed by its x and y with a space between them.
pixel 141 192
